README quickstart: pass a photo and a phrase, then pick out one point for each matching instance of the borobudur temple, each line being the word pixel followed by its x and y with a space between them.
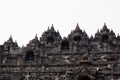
pixel 51 57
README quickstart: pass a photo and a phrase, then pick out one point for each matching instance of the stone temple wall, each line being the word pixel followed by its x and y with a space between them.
pixel 75 57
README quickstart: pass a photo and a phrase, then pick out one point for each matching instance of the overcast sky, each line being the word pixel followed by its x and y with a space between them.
pixel 24 18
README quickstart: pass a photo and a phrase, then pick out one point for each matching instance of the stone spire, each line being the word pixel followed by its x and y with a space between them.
pixel 10 39
pixel 112 32
pixel 52 28
pixel 16 44
pixel 105 28
pixel 118 37
pixel 10 42
pixel 98 31
pixel 36 37
pixel 34 42
pixel 77 29
pixel 48 28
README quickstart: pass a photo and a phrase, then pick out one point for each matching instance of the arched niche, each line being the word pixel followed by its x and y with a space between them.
pixel 77 38
pixel 29 56
pixel 65 45
pixel 105 38
pixel 50 39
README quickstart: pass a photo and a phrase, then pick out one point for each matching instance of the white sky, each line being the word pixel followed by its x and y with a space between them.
pixel 24 18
